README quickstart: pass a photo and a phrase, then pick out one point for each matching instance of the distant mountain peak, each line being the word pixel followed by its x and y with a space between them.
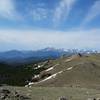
pixel 52 49
pixel 49 49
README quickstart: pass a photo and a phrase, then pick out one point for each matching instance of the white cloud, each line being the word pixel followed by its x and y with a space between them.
pixel 62 10
pixel 39 39
pixel 7 9
pixel 93 12
pixel 39 13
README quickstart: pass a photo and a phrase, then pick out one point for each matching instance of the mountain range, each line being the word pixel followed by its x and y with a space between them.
pixel 24 57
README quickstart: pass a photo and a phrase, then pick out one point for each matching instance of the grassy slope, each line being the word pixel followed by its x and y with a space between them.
pixel 86 71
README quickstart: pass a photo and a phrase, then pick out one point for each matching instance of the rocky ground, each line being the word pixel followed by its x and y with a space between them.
pixel 49 93
pixel 8 94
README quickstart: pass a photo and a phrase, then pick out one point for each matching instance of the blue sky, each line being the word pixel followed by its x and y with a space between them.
pixel 36 24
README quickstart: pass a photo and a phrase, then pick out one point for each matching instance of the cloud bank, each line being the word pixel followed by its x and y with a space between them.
pixel 30 40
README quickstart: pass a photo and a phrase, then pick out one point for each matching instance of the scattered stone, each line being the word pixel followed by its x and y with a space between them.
pixel 63 98
pixel 5 91
pixel 93 99
pixel 6 94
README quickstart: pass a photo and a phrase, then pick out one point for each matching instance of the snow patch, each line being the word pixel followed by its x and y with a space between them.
pixel 60 72
pixel 69 68
pixel 36 76
pixel 50 77
pixel 51 68
pixel 38 67
pixel 29 84
pixel 68 60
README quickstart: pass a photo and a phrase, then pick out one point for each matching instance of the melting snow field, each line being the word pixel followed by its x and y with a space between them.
pixel 50 77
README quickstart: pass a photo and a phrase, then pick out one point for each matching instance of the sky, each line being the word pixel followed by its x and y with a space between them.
pixel 37 24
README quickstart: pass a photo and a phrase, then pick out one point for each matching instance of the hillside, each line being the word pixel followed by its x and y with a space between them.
pixel 76 77
pixel 79 70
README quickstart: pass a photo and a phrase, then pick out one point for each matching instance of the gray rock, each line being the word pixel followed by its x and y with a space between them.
pixel 63 98
pixel 6 94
